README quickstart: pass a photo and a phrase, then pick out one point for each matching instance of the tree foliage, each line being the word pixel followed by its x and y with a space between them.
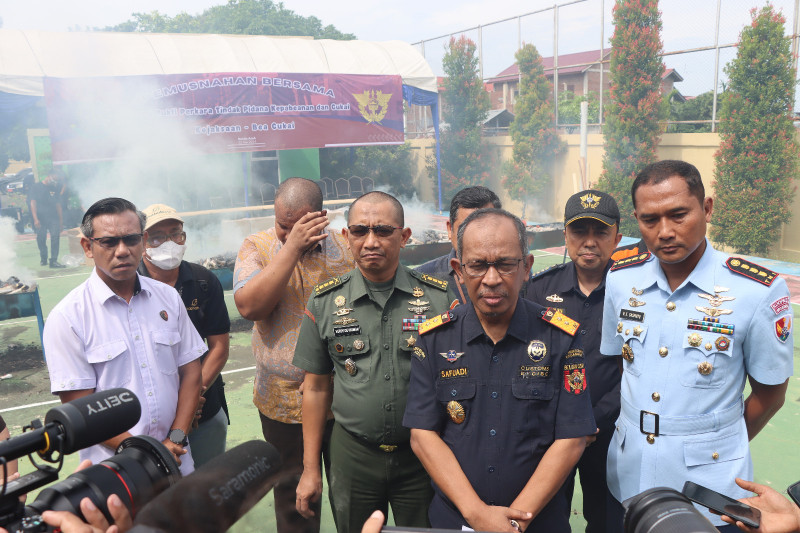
pixel 569 107
pixel 756 163
pixel 245 17
pixel 464 159
pixel 632 130
pixel 533 133
pixel 698 108
pixel 391 167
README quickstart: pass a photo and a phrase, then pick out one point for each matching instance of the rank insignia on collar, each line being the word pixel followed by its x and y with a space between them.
pixel 327 285
pixel 451 355
pixel 555 298
pixel 630 261
pixel 435 322
pixel 560 320
pixel 783 327
pixel 537 350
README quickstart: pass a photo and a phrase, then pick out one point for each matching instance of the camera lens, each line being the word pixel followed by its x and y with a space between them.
pixel 663 510
pixel 142 468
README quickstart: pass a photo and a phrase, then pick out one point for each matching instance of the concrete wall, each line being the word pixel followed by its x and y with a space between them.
pixel 696 148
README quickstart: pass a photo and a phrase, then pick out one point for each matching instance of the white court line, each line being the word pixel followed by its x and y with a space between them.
pixel 39 404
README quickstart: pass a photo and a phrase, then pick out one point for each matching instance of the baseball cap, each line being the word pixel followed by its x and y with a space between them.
pixel 158 212
pixel 591 204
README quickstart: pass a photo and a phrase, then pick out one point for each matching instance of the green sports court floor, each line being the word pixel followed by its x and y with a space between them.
pixel 20 355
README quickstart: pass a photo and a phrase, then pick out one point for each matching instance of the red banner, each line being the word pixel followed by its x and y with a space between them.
pixel 112 117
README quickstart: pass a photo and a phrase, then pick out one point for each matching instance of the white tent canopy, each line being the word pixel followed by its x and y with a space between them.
pixel 26 57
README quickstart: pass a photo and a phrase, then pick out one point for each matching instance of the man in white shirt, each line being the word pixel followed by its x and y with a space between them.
pixel 119 329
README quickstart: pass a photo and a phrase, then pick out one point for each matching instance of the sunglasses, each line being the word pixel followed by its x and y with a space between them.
pixel 134 239
pixel 381 230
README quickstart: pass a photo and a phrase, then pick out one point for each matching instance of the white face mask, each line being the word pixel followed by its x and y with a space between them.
pixel 167 256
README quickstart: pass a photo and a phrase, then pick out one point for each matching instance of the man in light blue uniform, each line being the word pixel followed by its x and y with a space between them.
pixel 692 325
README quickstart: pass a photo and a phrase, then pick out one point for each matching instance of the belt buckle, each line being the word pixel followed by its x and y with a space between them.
pixel 388 448
pixel 641 423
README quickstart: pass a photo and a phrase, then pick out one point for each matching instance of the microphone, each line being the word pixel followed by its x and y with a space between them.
pixel 217 494
pixel 77 424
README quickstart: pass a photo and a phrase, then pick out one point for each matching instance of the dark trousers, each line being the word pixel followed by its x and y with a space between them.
pixel 51 225
pixel 365 478
pixel 592 471
pixel 288 439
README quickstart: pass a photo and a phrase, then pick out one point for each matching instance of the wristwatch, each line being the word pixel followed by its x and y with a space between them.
pixel 178 437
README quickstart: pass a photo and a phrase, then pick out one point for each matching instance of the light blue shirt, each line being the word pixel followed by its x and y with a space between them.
pixel 690 373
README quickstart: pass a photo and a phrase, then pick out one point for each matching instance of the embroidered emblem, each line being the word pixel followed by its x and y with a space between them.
pixel 537 350
pixel 780 305
pixel 419 352
pixel 590 201
pixel 451 355
pixel 783 327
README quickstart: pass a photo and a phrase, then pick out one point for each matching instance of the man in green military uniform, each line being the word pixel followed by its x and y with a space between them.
pixel 362 327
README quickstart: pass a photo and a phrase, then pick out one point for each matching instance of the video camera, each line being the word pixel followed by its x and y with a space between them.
pixel 142 468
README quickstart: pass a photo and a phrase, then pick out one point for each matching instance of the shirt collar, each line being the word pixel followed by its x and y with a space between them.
pixel 102 292
pixel 702 276
pixel 518 327
pixel 402 281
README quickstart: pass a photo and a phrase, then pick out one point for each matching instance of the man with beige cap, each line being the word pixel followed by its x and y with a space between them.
pixel 203 297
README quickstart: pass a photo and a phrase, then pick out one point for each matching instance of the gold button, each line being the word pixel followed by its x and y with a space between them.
pixel 619 327
pixel 705 368
pixel 627 332
pixel 670 306
pixel 709 346
pixel 715 456
pixel 656 396
pixel 651 438
pixel 663 352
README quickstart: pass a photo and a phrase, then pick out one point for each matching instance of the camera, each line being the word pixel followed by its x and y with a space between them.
pixel 663 510
pixel 142 467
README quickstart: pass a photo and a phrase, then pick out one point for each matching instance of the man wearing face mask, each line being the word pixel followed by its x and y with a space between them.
pixel 203 297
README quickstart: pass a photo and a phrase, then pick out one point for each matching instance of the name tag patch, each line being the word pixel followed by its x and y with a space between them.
pixel 346 330
pixel 454 373
pixel 627 314
pixel 534 371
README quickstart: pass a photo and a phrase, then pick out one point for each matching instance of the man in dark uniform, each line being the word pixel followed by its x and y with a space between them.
pixel 463 203
pixel 204 299
pixel 591 224
pixel 360 327
pixel 48 217
pixel 497 405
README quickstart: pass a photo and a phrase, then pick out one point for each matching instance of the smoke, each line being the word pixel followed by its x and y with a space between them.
pixel 8 257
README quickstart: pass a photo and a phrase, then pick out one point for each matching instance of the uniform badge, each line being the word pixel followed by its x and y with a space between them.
pixel 339 347
pixel 619 327
pixel 783 327
pixel 435 322
pixel 627 352
pixel 341 331
pixel 358 344
pixel 555 298
pixel 633 302
pixel 780 305
pixel 590 201
pixel 709 346
pixel 163 314
pixel 417 292
pixel 456 412
pixel 419 309
pixel 343 311
pixel 419 352
pixel 637 330
pixel 560 320
pixel 671 306
pixel 345 321
pixel 350 367
pixel 537 351
pixel 418 302
pixel 451 355
pixel 339 301
pixel 695 340
pixel 705 368
pixel 722 344
pixel 411 341
pixel 575 380
pixel 637 292
pixel 715 300
pixel 712 311
pixel 750 270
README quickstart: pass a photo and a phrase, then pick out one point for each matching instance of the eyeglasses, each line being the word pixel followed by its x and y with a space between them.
pixel 381 230
pixel 134 239
pixel 157 239
pixel 504 267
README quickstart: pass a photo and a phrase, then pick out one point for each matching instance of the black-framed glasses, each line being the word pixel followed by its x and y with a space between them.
pixel 381 230
pixel 157 239
pixel 134 239
pixel 504 267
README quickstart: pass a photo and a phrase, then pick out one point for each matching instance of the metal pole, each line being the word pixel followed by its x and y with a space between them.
pixel 519 33
pixel 795 28
pixel 555 62
pixel 480 50
pixel 716 71
pixel 602 66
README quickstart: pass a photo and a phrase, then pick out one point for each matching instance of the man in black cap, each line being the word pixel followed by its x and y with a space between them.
pixel 591 233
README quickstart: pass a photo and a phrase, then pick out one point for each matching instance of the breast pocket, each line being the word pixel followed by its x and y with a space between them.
pixel 533 411
pixel 406 347
pixel 456 397
pixel 707 359
pixel 351 357
pixel 166 344
pixel 111 363
pixel 632 334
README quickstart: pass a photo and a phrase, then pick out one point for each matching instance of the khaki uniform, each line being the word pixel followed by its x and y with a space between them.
pixel 368 347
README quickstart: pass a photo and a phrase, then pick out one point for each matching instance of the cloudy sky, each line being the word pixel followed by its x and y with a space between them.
pixel 687 24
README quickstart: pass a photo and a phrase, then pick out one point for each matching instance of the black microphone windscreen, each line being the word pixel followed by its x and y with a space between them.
pixel 95 418
pixel 217 494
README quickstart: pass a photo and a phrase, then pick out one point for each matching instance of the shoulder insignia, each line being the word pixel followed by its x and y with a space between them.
pixel 630 261
pixel 558 319
pixel 549 269
pixel 435 322
pixel 623 252
pixel 430 280
pixel 329 284
pixel 419 352
pixel 750 270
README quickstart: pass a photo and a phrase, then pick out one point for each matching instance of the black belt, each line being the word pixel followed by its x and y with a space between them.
pixel 387 448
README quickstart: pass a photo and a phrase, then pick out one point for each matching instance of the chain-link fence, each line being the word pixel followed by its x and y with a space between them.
pixel 573 38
